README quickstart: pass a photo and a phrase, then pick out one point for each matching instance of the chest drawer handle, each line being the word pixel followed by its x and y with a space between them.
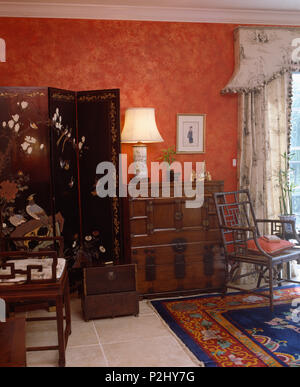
pixel 178 215
pixel 149 251
pixel 179 245
pixel 111 275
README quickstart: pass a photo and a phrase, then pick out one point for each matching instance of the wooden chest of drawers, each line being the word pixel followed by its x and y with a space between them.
pixel 176 249
pixel 109 291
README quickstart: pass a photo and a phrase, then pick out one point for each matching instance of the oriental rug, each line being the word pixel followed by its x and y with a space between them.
pixel 238 330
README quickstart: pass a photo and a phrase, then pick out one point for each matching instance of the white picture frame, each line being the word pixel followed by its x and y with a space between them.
pixel 190 133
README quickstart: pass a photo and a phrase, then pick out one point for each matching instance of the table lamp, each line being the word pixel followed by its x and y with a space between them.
pixel 140 129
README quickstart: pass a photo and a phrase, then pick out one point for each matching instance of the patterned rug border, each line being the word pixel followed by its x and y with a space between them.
pixel 184 338
pixel 272 362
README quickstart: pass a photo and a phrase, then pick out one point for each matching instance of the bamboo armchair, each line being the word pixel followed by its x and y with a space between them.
pixel 243 243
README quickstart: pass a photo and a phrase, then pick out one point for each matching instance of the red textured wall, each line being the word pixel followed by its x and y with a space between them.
pixel 173 67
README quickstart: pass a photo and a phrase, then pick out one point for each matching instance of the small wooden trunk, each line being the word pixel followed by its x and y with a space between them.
pixel 109 291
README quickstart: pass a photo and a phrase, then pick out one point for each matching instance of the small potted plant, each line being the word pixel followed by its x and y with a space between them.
pixel 287 187
pixel 168 155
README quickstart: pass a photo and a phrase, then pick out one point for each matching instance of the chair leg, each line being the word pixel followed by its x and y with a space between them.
pixel 67 310
pixel 271 288
pixel 288 269
pixel 60 331
pixel 279 269
pixel 224 291
pixel 260 277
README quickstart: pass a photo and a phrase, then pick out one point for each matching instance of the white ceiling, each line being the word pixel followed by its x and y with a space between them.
pixel 278 12
pixel 290 5
pixel 272 5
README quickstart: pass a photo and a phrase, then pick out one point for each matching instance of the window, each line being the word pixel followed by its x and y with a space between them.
pixel 295 145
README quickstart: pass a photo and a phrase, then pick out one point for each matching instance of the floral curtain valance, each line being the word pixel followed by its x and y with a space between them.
pixel 261 55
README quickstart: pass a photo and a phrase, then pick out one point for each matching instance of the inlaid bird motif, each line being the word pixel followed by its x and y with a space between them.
pixel 34 210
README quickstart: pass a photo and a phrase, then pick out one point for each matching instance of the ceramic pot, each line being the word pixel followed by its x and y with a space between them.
pixel 288 227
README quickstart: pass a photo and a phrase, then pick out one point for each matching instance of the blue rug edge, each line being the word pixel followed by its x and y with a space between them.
pixel 182 334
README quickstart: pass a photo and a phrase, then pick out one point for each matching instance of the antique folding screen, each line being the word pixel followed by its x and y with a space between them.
pixel 26 192
pixel 99 140
pixel 45 135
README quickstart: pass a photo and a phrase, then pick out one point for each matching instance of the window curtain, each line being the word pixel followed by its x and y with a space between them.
pixel 264 134
pixel 263 139
pixel 265 58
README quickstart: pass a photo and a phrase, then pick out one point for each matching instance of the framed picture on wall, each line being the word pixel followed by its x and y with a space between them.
pixel 190 133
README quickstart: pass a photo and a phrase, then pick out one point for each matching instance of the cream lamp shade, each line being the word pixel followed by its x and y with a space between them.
pixel 140 128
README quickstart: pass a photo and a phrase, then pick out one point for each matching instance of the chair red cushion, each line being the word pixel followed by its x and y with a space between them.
pixel 269 247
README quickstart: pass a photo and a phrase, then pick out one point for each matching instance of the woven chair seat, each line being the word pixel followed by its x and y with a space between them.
pixel 45 273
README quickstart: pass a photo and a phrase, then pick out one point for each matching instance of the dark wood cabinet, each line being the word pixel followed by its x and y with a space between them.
pixel 109 291
pixel 176 249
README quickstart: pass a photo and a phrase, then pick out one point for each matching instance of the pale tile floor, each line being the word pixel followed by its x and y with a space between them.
pixel 129 341
pixel 142 341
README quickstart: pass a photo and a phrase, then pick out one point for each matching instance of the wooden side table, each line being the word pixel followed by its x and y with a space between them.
pixel 12 343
